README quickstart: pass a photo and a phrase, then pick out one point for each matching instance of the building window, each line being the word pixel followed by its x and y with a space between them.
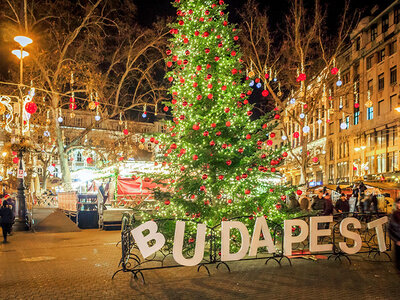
pixel 78 122
pixel 346 78
pixel 356 117
pixel 370 160
pixel 396 15
pixel 331 172
pixel 381 163
pixel 381 55
pixel 369 61
pixel 392 102
pixel 385 23
pixel 347 121
pixel 331 128
pixel 79 157
pixel 357 44
pixel 392 161
pixel 392 140
pixel 331 152
pixel 374 32
pixel 380 107
pixel 370 86
pixel 381 81
pixel 370 113
pixel 393 75
pixel 392 48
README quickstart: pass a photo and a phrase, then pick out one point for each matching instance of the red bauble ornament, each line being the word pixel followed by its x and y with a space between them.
pixel 182 168
pixel 240 150
pixel 142 140
pixel 227 110
pixel 125 131
pixel 228 162
pixel 356 105
pixel 167 202
pixel 283 197
pixel 334 70
pixel 301 77
pixel 265 93
pixel 166 108
pixel 89 160
pixel 205 133
pixel 212 143
pixel 299 192
pixel 354 168
pixel 247 191
pixel 15 160
pixel 31 107
pixel 213 125
pixel 229 201
pixel 284 154
pixel 196 127
pixel 205 176
pixel 228 124
pixel 220 177
pixel 248 136
pixel 276 117
pixel 272 135
pixel 315 159
pixel 296 135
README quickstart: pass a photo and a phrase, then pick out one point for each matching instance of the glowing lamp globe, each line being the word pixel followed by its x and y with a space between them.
pixel 23 40
pixel 292 101
pixel 258 85
pixel 97 118
pixel 343 126
pixel 339 83
pixel 31 107
pixel 284 137
pixel 46 133
pixel 302 116
pixel 275 79
pixel 60 119
pixel 17 53
pixel 251 84
pixel 319 121
pixel 306 129
pixel 144 115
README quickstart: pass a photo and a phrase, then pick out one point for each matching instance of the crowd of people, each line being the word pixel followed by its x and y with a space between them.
pixel 7 216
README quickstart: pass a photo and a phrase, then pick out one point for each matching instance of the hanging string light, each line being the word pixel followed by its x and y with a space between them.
pixel 60 118
pixel 368 104
pixel 144 114
pixel 339 81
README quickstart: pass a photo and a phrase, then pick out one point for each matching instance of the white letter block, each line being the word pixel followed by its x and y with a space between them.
pixel 225 240
pixel 315 233
pixel 289 239
pixel 142 241
pixel 345 232
pixel 178 245
pixel 261 226
pixel 378 224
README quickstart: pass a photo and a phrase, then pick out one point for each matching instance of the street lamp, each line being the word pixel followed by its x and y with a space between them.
pixel 23 41
pixel 397 108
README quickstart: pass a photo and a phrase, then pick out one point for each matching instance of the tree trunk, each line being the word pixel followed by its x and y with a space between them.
pixel 62 155
pixel 303 166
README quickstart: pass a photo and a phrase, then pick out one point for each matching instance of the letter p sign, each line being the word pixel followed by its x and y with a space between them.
pixel 143 240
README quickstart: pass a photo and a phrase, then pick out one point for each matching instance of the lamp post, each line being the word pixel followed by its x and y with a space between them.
pixel 23 41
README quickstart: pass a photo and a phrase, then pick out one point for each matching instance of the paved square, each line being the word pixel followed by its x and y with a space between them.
pixel 79 265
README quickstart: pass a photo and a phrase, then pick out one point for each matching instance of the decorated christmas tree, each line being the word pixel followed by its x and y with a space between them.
pixel 218 162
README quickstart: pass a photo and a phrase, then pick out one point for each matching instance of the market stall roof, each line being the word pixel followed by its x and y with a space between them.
pixel 383 185
pixel 330 187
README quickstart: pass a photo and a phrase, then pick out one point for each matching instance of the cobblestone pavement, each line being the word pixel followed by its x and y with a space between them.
pixel 79 265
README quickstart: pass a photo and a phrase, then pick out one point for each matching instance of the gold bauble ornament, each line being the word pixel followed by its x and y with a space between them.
pixel 72 115
pixel 251 74
pixel 141 146
pixel 92 105
pixel 368 104
pixel 2 109
pixel 279 94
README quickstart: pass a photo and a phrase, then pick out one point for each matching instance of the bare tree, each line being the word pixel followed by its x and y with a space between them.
pixel 298 69
pixel 89 51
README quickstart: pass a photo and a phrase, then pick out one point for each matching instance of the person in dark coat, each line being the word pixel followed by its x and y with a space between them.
pixel 342 205
pixel 338 189
pixel 6 219
pixel 318 201
pixel 328 206
pixel 394 232
pixel 362 188
pixel 355 194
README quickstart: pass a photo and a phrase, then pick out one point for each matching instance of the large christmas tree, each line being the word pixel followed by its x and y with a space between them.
pixel 219 163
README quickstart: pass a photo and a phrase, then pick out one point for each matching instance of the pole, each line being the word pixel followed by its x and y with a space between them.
pixel 21 79
pixel 21 193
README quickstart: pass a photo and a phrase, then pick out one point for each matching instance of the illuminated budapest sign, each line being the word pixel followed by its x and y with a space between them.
pixel 250 245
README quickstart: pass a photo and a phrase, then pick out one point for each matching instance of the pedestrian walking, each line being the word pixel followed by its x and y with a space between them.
pixel 394 232
pixel 318 201
pixel 342 205
pixel 6 219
